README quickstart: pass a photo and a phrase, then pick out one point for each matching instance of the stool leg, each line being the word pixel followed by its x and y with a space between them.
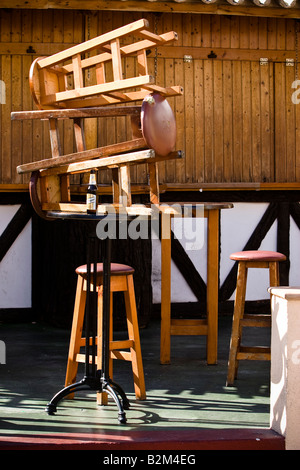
pixel 274 273
pixel 239 306
pixel 102 397
pixel 76 333
pixel 134 335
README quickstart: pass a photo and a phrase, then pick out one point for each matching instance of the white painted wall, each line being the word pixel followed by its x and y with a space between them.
pixel 237 224
pixel 15 268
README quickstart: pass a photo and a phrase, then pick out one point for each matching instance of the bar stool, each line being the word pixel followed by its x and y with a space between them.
pixel 249 259
pixel 121 280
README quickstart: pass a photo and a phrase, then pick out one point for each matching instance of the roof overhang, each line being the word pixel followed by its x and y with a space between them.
pixel 268 8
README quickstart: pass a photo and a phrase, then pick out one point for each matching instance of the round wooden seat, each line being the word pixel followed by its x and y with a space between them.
pixel 256 255
pixel 115 269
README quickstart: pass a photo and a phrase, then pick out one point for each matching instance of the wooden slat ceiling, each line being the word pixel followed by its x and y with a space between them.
pixel 260 3
pixel 151 5
pixel 289 9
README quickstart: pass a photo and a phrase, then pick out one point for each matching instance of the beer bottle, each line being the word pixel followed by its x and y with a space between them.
pixel 91 196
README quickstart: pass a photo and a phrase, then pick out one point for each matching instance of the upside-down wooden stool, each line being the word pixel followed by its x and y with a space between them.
pixel 121 280
pixel 249 259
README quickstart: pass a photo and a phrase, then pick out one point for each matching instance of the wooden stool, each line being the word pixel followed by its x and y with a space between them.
pixel 121 281
pixel 249 259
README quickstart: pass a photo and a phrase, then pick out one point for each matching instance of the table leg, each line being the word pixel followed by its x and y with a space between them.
pixel 212 285
pixel 165 334
pixel 94 379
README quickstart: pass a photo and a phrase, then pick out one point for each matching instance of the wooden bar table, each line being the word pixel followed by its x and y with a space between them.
pixel 94 379
pixel 208 326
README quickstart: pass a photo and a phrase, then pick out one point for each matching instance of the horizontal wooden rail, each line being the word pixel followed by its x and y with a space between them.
pixel 98 89
pixel 91 112
pixel 140 188
pixel 82 156
pixel 94 43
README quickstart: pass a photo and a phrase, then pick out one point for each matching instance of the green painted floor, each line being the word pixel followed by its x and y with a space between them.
pixel 185 395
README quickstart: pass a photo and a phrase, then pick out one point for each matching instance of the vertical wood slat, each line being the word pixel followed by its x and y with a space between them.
pixel 297 144
pixel 246 122
pixel 199 129
pixel 218 123
pixel 228 121
pixel 286 129
pixel 255 121
pixel 237 133
pixel 16 96
pixel 280 124
pixel 26 34
pixel 5 112
pixel 290 125
pixel 267 126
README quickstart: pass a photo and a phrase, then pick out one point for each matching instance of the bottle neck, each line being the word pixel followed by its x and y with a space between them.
pixel 92 179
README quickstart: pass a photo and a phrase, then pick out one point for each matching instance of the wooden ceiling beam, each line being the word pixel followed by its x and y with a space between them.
pixel 204 7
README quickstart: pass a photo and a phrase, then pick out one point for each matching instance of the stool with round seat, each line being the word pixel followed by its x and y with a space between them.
pixel 249 259
pixel 121 280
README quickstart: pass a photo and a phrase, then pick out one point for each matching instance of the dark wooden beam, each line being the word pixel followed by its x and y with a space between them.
pixel 14 228
pixel 217 8
pixel 283 240
pixel 187 269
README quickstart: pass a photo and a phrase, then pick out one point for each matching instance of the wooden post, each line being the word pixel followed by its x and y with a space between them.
pixel 124 185
pixel 165 344
pixel 153 183
pixel 212 285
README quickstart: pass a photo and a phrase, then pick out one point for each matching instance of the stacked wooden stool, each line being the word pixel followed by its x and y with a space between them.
pixel 60 91
pixel 121 280
pixel 238 352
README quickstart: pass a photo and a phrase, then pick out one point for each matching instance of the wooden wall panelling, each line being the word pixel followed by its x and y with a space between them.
pixel 227 88
pixel 218 122
pixel 90 30
pixel 286 119
pixel 37 126
pixel 199 129
pixel 280 124
pixel 267 122
pixel 5 108
pixel 163 69
pixel 101 124
pixel 262 123
pixel 189 121
pixel 208 119
pixel 16 97
pixel 178 167
pixel 26 154
pixel 141 173
pixel 246 121
pixel 297 148
pixel 256 143
pixel 290 125
pixel 235 121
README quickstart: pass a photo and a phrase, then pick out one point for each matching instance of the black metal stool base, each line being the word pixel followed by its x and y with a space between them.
pixel 98 384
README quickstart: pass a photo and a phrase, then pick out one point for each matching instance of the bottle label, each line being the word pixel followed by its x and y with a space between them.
pixel 92 179
pixel 91 202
